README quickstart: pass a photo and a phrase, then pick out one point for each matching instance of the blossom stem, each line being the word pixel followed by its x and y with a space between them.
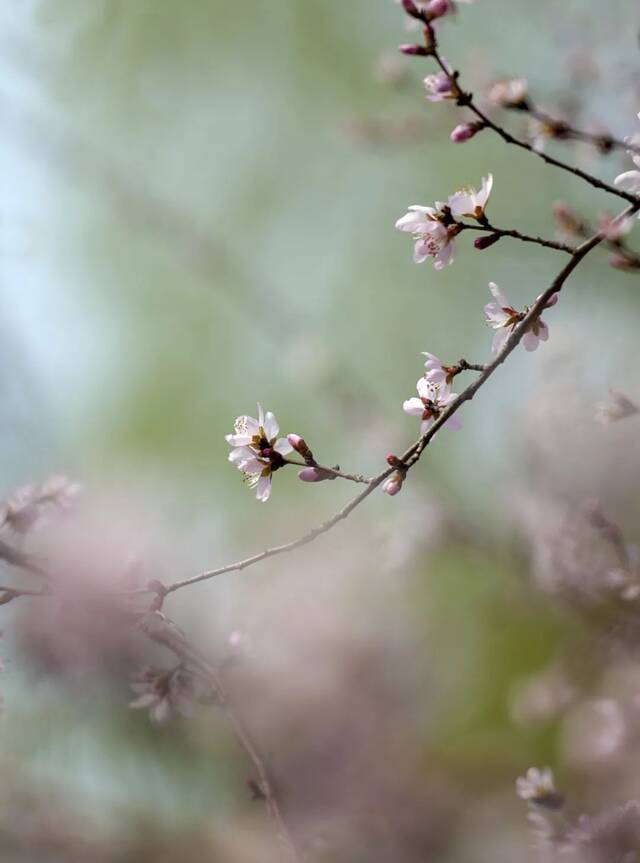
pixel 605 142
pixel 333 471
pixel 464 366
pixel 525 238
pixel 162 631
pixel 466 99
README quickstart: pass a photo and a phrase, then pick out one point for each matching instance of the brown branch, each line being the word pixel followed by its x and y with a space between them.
pixel 466 100
pixel 413 453
pixel 605 142
pixel 525 238
pixel 162 631
pixel 334 472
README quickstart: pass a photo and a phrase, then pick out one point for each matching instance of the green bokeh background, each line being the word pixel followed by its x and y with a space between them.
pixel 190 223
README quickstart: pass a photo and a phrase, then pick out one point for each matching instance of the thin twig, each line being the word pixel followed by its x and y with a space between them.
pixel 334 472
pixel 466 99
pixel 164 632
pixel 525 238
pixel 564 131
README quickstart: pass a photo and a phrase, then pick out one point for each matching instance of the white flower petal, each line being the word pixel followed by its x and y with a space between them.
pixel 270 426
pixel 498 295
pixel 263 488
pixel 283 446
pixel 629 181
pixel 413 407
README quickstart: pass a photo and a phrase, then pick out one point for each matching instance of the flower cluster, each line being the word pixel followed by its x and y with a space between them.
pixel 435 228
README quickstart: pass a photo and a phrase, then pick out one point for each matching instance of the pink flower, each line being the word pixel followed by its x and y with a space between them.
pixel 612 228
pixel 433 239
pixel 630 180
pixel 509 93
pixel 503 318
pixel 431 401
pixel 258 451
pixel 471 204
pixel 442 85
pixel 436 372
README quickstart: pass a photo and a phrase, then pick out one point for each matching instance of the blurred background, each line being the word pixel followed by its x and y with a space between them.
pixel 197 205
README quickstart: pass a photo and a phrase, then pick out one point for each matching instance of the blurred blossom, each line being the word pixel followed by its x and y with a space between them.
pixel 509 93
pixel 29 504
pixel 630 180
pixel 612 228
pixel 166 692
pixel 391 69
pixel 618 407
pixel 612 836
pixel 542 697
pixel 537 786
pixel 594 732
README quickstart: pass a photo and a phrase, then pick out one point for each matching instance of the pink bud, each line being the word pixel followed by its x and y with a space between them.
pixel 295 440
pixel 465 132
pixel 413 50
pixel 312 474
pixel 622 262
pixel 438 8
pixel 485 241
pixel 393 483
pixel 553 299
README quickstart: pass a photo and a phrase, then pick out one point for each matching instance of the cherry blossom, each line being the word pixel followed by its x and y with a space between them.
pixel 431 401
pixel 509 93
pixel 537 786
pixel 433 238
pixel 503 318
pixel 630 180
pixel 441 85
pixel 436 372
pixel 469 203
pixel 257 450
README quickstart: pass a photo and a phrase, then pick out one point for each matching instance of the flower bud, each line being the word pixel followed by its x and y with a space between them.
pixel 485 241
pixel 394 461
pixel 300 446
pixel 393 483
pixel 465 132
pixel 413 50
pixel 621 261
pixel 313 474
pixel 438 8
